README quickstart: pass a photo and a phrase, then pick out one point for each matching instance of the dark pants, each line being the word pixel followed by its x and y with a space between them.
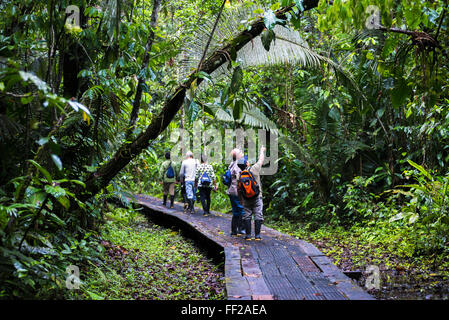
pixel 183 193
pixel 237 208
pixel 205 198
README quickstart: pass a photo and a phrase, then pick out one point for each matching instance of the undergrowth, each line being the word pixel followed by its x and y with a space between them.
pixel 145 261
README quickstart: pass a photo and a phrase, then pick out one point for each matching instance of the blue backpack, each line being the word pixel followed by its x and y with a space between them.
pixel 205 180
pixel 170 172
pixel 226 178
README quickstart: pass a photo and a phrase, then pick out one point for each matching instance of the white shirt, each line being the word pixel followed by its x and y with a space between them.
pixel 188 169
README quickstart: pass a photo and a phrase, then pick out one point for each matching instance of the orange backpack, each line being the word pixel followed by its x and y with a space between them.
pixel 248 185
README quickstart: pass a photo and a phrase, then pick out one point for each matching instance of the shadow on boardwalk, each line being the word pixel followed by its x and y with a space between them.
pixel 278 267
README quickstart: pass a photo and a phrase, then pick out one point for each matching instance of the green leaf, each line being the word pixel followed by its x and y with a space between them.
pixel 64 201
pixel 299 5
pixel 204 75
pixel 41 169
pixel 94 296
pixel 193 111
pixel 420 169
pixel 399 216
pixel 55 191
pixel 236 80
pixel 30 77
pixel 42 141
pixel 380 112
pixel 57 161
pixel 27 99
pixel 77 106
pixel 413 218
pixel 267 37
pixel 399 93
pixel 270 19
pixel 238 109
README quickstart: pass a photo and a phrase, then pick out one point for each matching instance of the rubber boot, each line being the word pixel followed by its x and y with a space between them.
pixel 240 226
pixel 164 203
pixel 172 200
pixel 234 225
pixel 247 229
pixel 191 206
pixel 257 226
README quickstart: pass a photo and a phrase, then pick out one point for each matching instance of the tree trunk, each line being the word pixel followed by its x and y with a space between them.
pixel 141 79
pixel 101 178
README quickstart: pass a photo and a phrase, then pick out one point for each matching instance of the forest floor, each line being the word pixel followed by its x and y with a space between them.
pixel 144 261
pixel 402 277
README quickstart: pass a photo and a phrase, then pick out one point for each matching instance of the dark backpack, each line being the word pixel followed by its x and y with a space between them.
pixel 170 172
pixel 248 185
pixel 226 178
pixel 205 180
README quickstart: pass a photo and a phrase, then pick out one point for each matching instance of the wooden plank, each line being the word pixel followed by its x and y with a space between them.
pixel 281 288
pixel 278 267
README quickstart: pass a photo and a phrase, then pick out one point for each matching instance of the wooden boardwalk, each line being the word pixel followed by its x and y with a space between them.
pixel 278 267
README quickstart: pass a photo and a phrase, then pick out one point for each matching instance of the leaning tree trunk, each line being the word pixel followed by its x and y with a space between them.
pixel 141 78
pixel 128 151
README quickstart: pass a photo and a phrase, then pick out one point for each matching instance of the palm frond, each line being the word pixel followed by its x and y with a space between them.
pixel 222 115
pixel 253 117
pixel 288 47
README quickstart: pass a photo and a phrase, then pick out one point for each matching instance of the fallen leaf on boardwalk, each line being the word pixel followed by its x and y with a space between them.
pixel 252 275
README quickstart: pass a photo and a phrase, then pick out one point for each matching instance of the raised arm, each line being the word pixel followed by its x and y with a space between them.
pixel 261 156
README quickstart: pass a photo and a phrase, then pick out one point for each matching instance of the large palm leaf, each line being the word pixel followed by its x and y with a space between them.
pixel 288 46
pixel 251 116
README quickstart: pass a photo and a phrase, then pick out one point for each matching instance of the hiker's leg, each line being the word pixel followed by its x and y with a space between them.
pixel 240 214
pixel 184 196
pixel 208 190
pixel 234 225
pixel 247 218
pixel 190 194
pixel 194 191
pixel 165 187
pixel 171 192
pixel 235 214
pixel 258 217
pixel 257 227
pixel 203 198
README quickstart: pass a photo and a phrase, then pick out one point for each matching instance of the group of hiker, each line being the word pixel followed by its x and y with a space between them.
pixel 241 179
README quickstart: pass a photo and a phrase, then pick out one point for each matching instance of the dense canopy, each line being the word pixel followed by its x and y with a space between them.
pixel 92 91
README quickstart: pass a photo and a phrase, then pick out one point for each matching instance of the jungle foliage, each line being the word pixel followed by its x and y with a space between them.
pixel 356 90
